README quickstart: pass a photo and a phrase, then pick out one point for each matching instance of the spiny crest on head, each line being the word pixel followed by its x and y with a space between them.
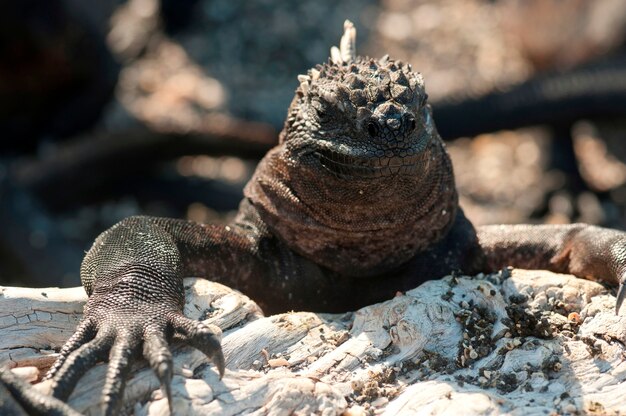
pixel 346 52
pixel 350 82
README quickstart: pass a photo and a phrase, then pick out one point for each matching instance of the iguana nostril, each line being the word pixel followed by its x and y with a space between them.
pixel 372 129
pixel 412 124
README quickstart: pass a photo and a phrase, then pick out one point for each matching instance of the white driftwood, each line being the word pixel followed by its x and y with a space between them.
pixel 402 356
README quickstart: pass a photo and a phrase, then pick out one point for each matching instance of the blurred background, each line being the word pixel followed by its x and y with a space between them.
pixel 164 107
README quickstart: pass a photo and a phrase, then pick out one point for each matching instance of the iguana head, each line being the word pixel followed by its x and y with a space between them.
pixel 360 118
pixel 360 180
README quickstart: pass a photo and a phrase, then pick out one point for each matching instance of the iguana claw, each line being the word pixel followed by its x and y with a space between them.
pixel 621 295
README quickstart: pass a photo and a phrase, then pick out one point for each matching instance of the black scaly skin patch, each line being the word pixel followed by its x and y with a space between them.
pixel 356 203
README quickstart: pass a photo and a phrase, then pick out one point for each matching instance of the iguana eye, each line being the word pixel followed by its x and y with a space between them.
pixel 320 110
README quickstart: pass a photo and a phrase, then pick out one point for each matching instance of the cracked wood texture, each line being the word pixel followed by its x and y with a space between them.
pixel 517 341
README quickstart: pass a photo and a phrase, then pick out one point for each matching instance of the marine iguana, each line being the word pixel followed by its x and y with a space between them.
pixel 355 203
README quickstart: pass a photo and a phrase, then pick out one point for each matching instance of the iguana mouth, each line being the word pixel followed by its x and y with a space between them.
pixel 347 166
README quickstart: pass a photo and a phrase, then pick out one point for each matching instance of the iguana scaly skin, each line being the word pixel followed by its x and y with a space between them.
pixel 356 203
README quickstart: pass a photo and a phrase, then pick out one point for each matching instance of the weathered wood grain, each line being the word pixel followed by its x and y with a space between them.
pixel 459 345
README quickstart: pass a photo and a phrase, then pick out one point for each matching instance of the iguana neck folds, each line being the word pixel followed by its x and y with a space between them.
pixel 387 223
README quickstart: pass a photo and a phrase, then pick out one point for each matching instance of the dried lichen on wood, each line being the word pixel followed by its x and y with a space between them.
pixel 516 342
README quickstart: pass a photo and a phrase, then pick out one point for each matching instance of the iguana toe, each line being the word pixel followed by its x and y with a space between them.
pixel 24 399
pixel 156 351
pixel 205 338
pixel 125 349
pixel 85 332
pixel 77 364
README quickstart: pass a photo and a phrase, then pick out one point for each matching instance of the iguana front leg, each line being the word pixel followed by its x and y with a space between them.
pixel 133 275
pixel 583 250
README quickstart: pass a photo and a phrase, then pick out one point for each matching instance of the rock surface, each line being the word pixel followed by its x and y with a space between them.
pixel 516 342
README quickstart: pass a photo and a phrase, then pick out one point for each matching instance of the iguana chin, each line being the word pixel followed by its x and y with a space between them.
pixel 356 203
